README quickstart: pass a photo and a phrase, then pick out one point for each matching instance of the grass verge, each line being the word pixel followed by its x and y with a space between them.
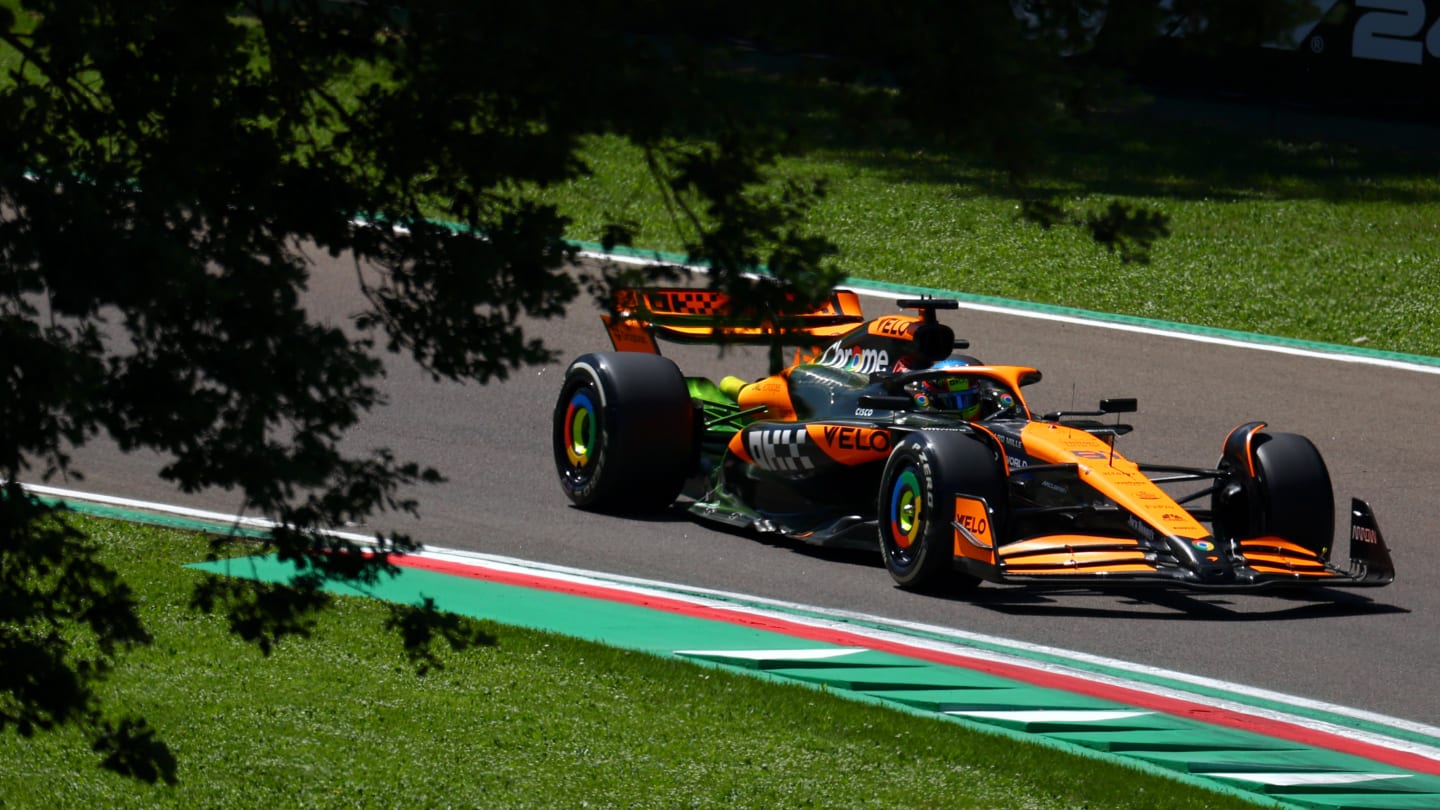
pixel 535 721
pixel 1305 236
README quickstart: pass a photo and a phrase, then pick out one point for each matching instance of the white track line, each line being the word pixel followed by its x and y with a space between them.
pixel 901 632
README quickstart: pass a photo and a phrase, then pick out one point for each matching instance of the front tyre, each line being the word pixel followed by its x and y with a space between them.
pixel 1288 495
pixel 916 506
pixel 623 432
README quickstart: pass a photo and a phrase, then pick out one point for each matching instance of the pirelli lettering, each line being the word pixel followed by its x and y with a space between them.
pixel 779 449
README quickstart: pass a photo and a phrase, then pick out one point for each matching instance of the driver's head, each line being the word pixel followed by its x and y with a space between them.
pixel 949 391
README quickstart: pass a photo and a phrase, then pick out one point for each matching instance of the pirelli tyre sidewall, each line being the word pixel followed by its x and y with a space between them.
pixel 623 432
pixel 916 505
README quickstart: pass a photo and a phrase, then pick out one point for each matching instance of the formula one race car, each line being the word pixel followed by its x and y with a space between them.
pixel 881 436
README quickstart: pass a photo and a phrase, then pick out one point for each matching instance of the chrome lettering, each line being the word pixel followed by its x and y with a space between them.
pixel 856 358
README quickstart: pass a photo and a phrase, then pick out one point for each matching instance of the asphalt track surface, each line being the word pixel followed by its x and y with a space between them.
pixel 1374 650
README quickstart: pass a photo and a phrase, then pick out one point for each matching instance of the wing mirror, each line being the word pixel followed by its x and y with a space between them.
pixel 1107 406
pixel 1126 405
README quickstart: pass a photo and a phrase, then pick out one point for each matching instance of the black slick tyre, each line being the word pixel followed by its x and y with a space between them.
pixel 916 506
pixel 1289 495
pixel 623 431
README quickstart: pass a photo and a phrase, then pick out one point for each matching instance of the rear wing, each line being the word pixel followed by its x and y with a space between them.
pixel 687 315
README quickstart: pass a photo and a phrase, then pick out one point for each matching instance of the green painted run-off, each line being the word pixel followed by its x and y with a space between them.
pixel 1263 768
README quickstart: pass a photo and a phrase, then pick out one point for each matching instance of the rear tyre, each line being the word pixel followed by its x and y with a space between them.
pixel 623 432
pixel 917 506
pixel 1289 495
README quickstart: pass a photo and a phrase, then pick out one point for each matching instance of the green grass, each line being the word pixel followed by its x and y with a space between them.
pixel 1296 238
pixel 1281 236
pixel 535 721
pixel 1286 236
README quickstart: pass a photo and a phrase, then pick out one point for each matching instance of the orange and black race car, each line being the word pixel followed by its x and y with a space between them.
pixel 883 435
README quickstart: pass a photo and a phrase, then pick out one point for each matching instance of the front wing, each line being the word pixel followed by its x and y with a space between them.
pixel 1089 561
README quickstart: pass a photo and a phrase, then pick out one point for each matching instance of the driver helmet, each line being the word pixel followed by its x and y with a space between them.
pixel 949 392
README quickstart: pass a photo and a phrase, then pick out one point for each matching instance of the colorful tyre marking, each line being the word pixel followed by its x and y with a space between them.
pixel 905 510
pixel 580 426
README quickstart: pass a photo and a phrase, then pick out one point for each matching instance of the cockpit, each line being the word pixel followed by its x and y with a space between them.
pixel 966 392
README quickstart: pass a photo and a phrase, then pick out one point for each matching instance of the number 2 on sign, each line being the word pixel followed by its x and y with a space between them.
pixel 1390 32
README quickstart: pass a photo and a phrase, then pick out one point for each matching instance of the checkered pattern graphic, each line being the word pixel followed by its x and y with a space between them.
pixel 780 450
pixel 687 302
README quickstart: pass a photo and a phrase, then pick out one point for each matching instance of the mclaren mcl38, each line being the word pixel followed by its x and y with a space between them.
pixel 883 434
